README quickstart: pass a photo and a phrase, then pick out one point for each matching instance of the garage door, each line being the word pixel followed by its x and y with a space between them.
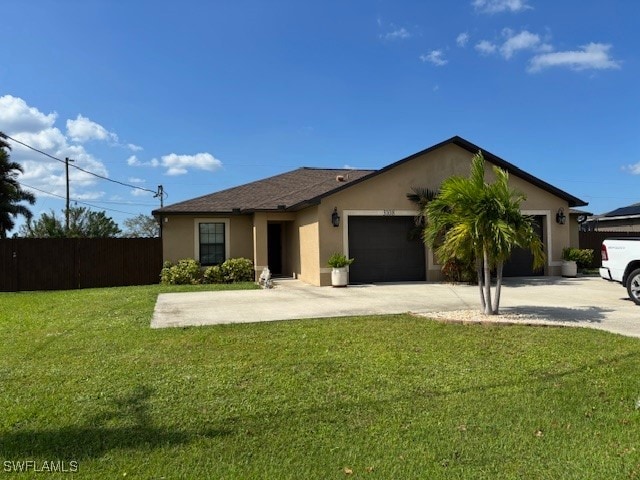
pixel 383 251
pixel 520 263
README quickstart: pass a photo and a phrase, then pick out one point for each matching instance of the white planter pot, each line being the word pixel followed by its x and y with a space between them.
pixel 339 277
pixel 569 268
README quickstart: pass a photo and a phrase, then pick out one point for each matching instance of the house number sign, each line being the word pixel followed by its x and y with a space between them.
pixel 388 213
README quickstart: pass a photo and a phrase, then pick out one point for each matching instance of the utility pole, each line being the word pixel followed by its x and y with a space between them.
pixel 66 211
pixel 161 195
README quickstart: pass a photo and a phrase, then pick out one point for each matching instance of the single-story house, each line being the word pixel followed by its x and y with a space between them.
pixel 294 221
pixel 624 219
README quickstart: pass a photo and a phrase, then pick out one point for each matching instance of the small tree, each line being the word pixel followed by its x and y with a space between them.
pixel 83 223
pixel 142 225
pixel 480 224
pixel 11 192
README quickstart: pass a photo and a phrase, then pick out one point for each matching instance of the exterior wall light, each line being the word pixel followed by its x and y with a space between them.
pixel 335 218
pixel 561 218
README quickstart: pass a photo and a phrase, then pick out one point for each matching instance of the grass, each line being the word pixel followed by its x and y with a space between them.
pixel 83 378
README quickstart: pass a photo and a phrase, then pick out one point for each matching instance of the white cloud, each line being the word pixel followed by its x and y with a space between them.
pixel 140 193
pixel 396 34
pixel 462 39
pixel 136 180
pixel 497 6
pixel 524 40
pixel 89 196
pixel 436 57
pixel 593 56
pixel 514 43
pixel 632 169
pixel 134 148
pixel 485 47
pixel 133 161
pixel 180 164
pixel 82 130
pixel 28 125
pixel 16 116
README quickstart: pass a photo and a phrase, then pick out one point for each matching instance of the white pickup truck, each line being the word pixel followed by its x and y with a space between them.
pixel 621 263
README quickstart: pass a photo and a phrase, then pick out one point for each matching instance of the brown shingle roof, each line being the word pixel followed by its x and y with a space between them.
pixel 289 191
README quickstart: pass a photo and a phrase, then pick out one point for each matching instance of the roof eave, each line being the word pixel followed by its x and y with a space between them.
pixel 619 217
pixel 161 212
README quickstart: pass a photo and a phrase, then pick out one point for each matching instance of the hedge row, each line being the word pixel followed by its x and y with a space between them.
pixel 189 272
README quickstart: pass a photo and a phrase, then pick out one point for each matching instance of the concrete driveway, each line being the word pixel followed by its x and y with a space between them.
pixel 587 301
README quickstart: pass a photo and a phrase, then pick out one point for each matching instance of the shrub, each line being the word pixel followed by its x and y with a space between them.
pixel 238 270
pixel 213 275
pixel 185 272
pixel 339 260
pixel 458 271
pixel 582 257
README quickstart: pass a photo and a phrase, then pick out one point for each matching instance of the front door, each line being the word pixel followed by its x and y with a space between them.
pixel 274 247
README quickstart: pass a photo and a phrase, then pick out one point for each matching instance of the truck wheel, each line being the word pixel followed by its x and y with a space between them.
pixel 633 286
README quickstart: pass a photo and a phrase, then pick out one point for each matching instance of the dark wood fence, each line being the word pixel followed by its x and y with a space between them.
pixel 68 263
pixel 593 240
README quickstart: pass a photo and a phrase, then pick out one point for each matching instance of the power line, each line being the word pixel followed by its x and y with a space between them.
pixel 4 135
pixel 74 200
pixel 132 204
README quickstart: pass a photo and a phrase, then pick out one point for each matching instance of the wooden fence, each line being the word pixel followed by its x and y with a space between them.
pixel 593 240
pixel 69 263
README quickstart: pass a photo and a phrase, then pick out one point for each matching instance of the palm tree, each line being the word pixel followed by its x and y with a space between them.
pixel 11 193
pixel 480 224
pixel 421 196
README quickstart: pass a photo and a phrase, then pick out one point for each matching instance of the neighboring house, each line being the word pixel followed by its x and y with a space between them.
pixel 625 219
pixel 294 221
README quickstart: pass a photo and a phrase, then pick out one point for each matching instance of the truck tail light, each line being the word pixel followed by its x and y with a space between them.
pixel 603 252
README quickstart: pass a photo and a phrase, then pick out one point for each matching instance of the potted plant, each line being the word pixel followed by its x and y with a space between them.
pixel 340 274
pixel 569 262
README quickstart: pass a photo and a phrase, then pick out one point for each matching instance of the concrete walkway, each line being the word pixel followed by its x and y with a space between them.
pixel 587 301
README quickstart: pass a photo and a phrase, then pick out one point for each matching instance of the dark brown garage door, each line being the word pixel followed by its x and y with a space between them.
pixel 521 262
pixel 383 251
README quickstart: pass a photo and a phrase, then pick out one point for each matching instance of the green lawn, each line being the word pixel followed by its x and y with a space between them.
pixel 83 378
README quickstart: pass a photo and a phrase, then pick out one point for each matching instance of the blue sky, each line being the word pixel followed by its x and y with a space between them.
pixel 198 96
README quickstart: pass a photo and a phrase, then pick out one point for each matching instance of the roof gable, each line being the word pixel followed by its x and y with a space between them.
pixel 494 159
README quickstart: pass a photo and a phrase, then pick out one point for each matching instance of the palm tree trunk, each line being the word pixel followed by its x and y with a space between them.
pixel 496 299
pixel 480 283
pixel 487 283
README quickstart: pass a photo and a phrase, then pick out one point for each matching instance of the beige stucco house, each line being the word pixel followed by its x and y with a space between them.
pixel 293 222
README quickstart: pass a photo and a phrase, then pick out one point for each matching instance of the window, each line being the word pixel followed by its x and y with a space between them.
pixel 212 243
